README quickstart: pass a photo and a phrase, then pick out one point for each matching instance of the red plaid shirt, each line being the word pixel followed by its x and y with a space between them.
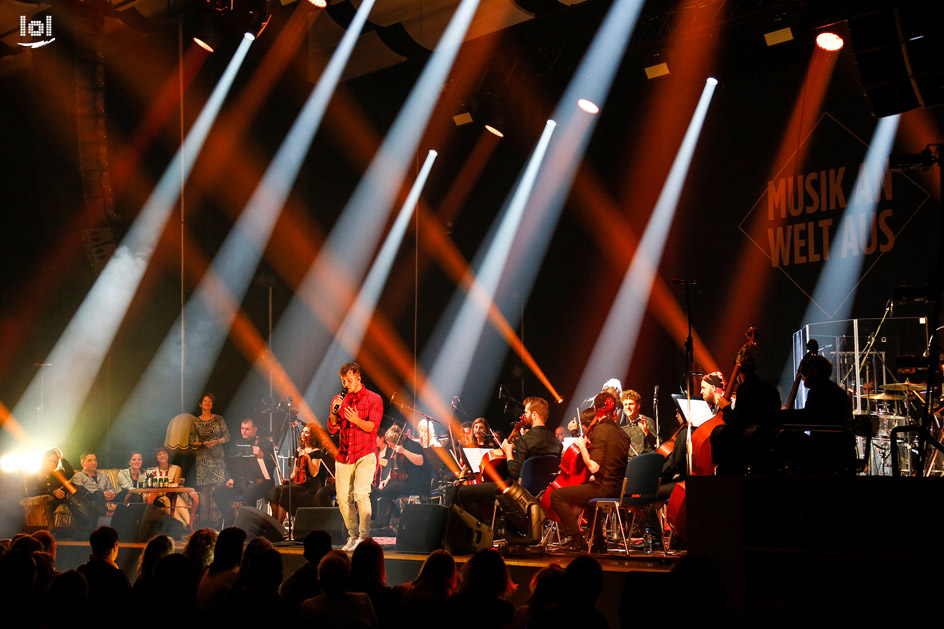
pixel 354 442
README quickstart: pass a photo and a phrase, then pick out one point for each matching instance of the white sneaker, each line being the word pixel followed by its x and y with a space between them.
pixel 356 542
pixel 351 543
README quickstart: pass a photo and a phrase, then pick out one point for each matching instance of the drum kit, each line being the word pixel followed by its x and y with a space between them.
pixel 890 409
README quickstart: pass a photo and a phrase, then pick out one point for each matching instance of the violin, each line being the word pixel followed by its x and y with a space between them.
pixel 524 424
pixel 301 468
pixel 667 446
pixel 396 472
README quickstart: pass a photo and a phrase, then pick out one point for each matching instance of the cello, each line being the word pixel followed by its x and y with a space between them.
pixel 700 453
pixel 573 471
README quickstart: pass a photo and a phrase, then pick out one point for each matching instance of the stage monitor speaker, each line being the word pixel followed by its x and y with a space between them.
pixel 257 523
pixel 421 528
pixel 328 519
pixel 465 535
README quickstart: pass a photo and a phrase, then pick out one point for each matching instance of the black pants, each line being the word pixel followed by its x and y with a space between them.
pixel 565 498
pixel 385 499
pixel 224 496
pixel 296 496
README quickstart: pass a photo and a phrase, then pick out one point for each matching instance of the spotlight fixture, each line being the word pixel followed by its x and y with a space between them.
pixel 523 515
pixel 319 3
pixel 207 33
pixel 494 131
pixel 829 41
pixel 779 36
pixel 711 80
pixel 206 46
pixel 656 70
pixel 588 106
pixel 258 17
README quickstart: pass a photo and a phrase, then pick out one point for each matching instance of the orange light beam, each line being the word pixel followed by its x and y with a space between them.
pixel 749 285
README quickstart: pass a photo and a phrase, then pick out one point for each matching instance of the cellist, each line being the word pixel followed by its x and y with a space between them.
pixel 675 468
pixel 604 451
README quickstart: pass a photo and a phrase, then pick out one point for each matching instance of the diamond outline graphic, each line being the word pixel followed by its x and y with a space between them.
pixel 866 271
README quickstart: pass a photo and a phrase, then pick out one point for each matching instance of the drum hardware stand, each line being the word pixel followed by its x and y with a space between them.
pixel 930 156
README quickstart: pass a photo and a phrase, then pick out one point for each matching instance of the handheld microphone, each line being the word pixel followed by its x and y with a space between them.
pixel 337 405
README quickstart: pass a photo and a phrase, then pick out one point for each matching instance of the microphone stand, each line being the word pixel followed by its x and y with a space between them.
pixel 690 368
pixel 291 480
pixel 655 414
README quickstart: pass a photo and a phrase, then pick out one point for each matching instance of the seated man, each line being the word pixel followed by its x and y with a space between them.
pixel 252 489
pixel 538 441
pixel 604 450
pixel 95 488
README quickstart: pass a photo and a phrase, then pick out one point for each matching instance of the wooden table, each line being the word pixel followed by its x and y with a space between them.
pixel 149 494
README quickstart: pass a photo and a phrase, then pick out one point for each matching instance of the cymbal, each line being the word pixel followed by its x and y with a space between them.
pixel 885 396
pixel 904 386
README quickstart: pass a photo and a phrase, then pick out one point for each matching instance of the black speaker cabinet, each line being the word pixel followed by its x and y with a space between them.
pixel 257 523
pixel 421 528
pixel 328 519
pixel 425 528
pixel 465 535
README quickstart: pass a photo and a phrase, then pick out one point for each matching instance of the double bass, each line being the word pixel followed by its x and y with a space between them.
pixel 700 454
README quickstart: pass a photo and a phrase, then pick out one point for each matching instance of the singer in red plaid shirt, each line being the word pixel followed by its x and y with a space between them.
pixel 356 415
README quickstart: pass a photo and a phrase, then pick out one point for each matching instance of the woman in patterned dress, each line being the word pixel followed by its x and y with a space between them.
pixel 207 436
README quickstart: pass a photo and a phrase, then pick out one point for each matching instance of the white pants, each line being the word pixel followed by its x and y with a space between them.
pixel 353 485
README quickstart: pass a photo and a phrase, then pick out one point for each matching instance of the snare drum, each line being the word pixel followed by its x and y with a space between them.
pixel 887 422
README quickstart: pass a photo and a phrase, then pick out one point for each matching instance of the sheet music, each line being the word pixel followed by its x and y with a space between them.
pixel 699 413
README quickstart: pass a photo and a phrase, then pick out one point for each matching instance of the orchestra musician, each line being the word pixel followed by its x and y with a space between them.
pixel 744 439
pixel 641 429
pixel 538 440
pixel 482 434
pixel 406 471
pixel 604 451
pixel 615 388
pixel 427 434
pixel 251 489
pixel 675 468
pixel 305 482
pixel 356 415
pixel 586 418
